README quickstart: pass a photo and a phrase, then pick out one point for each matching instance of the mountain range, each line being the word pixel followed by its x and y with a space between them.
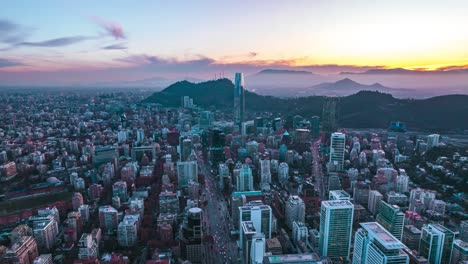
pixel 401 83
pixel 364 109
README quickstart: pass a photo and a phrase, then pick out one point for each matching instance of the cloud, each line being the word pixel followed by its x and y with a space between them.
pixel 57 42
pixel 7 26
pixel 112 29
pixel 156 61
pixel 115 47
pixel 337 68
pixel 253 54
pixel 200 63
pixel 453 68
pixel 11 33
pixel 8 63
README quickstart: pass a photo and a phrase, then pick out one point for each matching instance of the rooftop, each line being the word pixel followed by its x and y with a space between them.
pixel 248 193
pixel 337 203
pixel 436 227
pixel 382 235
pixel 292 258
pixel 248 227
pixel 339 194
pixel 462 244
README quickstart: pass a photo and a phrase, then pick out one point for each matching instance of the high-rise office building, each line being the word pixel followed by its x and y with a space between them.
pixel 191 236
pixel 295 210
pixel 248 231
pixel 339 195
pixel 337 149
pixel 186 171
pixel 283 172
pixel 239 99
pixel 336 222
pixel 436 243
pixel 258 249
pixel 259 214
pixel 334 182
pixel 464 230
pixel 459 252
pixel 375 245
pixel 224 176
pixel 206 119
pixel 402 183
pixel 140 135
pixel 300 232
pixel 432 141
pixel 244 180
pixel 265 174
pixel 185 149
pixel 374 201
pixel 391 218
pixel 411 236
pixel 84 211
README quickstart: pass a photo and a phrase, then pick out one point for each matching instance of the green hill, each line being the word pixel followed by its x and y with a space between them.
pixel 360 110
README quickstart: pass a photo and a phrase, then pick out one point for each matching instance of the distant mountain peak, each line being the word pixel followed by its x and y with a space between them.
pixel 277 71
pixel 346 81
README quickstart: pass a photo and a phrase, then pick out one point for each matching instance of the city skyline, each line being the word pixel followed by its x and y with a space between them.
pixel 98 42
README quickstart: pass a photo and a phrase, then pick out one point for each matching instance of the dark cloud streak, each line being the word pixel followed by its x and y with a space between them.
pixel 4 63
pixel 11 33
pixel 115 47
pixel 57 42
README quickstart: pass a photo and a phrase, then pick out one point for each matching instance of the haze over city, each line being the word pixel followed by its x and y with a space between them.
pixel 88 42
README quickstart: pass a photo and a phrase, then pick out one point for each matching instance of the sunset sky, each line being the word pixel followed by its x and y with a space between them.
pixel 66 42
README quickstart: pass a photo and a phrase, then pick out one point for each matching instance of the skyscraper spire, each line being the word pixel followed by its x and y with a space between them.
pixel 239 99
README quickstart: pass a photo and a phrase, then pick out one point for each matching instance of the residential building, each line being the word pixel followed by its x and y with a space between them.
pixel 127 231
pixel 108 218
pixel 87 247
pixel 22 252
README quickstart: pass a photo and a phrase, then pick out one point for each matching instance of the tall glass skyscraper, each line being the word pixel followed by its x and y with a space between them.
pixel 373 244
pixel 239 99
pixel 391 218
pixel 337 149
pixel 436 243
pixel 336 223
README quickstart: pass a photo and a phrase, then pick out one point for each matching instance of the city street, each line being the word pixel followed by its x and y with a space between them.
pixel 317 171
pixel 216 222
